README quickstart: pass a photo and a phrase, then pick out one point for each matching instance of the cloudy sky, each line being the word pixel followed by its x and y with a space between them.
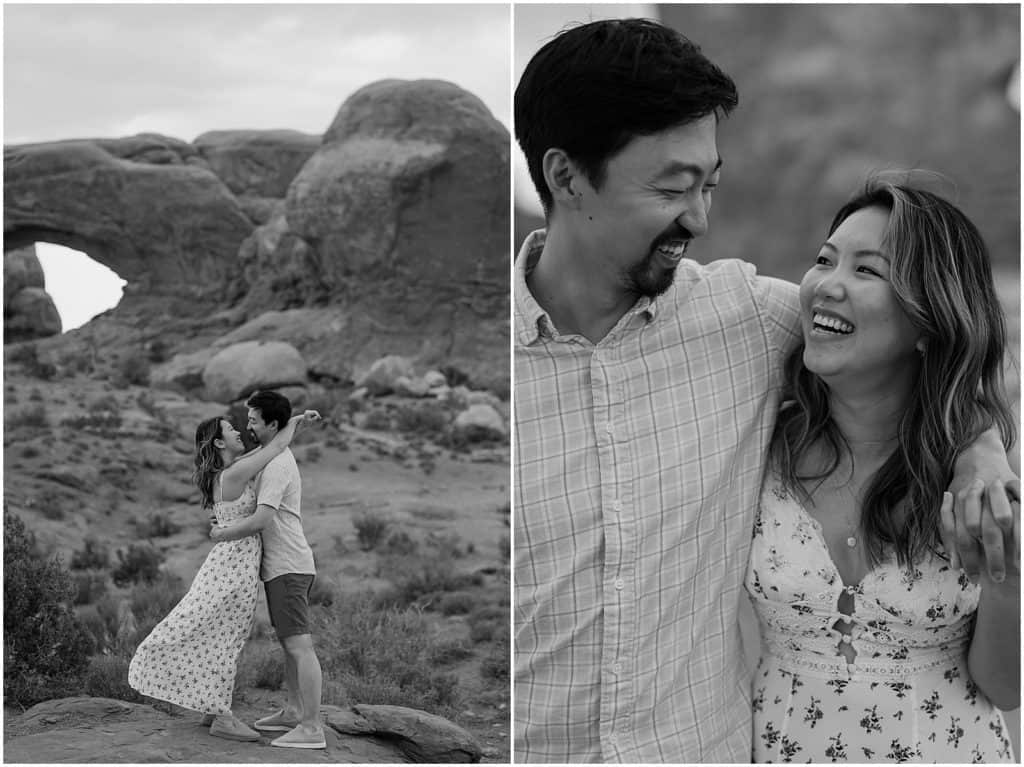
pixel 84 71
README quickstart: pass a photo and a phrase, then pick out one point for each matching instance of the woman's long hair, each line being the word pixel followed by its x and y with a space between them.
pixel 943 280
pixel 208 459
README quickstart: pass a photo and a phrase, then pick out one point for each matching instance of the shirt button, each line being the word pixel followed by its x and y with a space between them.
pixel 617 506
pixel 619 584
pixel 617 668
pixel 609 428
pixel 613 738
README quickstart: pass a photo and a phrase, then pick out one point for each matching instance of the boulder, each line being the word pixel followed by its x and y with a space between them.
pixel 421 737
pixel 383 375
pixel 259 163
pixel 30 314
pixel 145 206
pixel 22 270
pixel 482 420
pixel 235 372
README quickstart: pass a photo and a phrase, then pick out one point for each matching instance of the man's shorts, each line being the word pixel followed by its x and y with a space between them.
pixel 288 603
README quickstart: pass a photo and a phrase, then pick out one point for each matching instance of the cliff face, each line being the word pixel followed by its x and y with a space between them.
pixel 389 234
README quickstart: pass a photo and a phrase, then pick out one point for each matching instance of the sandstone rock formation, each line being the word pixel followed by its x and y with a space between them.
pixel 388 236
pixel 147 207
pixel 103 730
pixel 29 311
pixel 240 369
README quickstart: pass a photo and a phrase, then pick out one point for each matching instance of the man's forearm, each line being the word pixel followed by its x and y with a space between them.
pixel 242 529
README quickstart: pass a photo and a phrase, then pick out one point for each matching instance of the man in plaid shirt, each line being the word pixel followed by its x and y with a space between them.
pixel 645 396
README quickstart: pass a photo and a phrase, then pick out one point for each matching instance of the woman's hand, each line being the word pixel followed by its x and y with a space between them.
pixel 306 416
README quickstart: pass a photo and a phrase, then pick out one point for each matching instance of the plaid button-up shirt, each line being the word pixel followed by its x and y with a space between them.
pixel 638 462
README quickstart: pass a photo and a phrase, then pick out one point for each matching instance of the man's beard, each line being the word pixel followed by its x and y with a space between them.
pixel 647 278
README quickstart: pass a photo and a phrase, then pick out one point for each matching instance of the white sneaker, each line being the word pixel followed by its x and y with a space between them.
pixel 302 736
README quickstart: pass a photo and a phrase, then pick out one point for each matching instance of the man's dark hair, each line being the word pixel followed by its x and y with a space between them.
pixel 595 87
pixel 272 406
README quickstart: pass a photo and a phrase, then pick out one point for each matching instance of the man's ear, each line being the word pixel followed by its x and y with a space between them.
pixel 562 177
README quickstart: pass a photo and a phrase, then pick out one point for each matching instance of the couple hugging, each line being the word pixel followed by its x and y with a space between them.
pixel 190 657
pixel 691 438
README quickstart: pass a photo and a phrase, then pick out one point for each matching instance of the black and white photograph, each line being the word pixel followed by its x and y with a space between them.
pixel 257 383
pixel 766 399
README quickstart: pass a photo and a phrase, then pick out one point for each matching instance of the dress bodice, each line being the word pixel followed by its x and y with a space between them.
pixel 242 506
pixel 903 620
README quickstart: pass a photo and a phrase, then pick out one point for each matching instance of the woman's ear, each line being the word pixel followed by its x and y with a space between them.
pixel 220 444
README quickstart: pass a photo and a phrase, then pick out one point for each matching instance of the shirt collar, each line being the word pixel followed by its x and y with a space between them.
pixel 532 322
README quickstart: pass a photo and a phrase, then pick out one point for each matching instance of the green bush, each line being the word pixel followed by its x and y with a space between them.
pixel 92 556
pixel 28 357
pixel 401 543
pixel 496 665
pixel 138 564
pixel 488 623
pixel 422 581
pixel 427 420
pixel 133 370
pixel 46 648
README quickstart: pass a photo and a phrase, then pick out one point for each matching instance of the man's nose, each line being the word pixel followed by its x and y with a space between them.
pixel 695 217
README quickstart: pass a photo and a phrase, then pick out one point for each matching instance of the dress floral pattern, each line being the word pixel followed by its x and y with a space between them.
pixel 190 657
pixel 905 695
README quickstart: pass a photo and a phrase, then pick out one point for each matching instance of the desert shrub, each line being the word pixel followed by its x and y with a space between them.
pixel 33 417
pixel 454 376
pixel 30 451
pixel 382 657
pixel 488 623
pixel 422 580
pixel 89 586
pixel 495 666
pixel 427 420
pixel 457 603
pixel 92 556
pixel 370 530
pixel 96 626
pixel 312 454
pixel 102 422
pixel 45 646
pixel 137 564
pixel 28 357
pixel 377 420
pixel 132 370
pixel 400 543
pixel 261 667
pixel 35 396
pixel 322 593
pixel 446 546
pixel 150 602
pixel 106 403
pixel 158 351
pixel 107 677
pixel 157 525
pixel 451 651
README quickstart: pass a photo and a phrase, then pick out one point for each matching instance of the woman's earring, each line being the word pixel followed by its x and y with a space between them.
pixel 921 347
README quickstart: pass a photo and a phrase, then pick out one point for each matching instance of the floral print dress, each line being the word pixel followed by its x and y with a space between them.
pixel 905 695
pixel 190 657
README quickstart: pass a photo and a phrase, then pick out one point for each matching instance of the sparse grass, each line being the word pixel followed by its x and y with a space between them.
pixel 450 651
pixel 421 580
pixel 33 417
pixel 261 667
pixel 35 395
pixel 382 657
pixel 488 623
pixel 92 556
pixel 30 451
pixel 107 677
pixel 157 525
pixel 137 564
pixel 105 423
pixel 370 530
pixel 495 666
pixel 401 543
pixel 428 420
pixel 377 420
pixel 458 603
pixel 322 593
pixel 27 356
pixel 132 371
pixel 90 586
pixel 49 503
pixel 312 454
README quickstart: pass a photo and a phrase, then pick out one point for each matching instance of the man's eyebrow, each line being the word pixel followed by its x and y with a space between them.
pixel 864 252
pixel 676 167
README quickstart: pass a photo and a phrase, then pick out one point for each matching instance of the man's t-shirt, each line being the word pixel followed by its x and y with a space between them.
pixel 285 549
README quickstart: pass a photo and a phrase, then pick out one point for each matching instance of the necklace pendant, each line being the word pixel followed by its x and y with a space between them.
pixel 851 542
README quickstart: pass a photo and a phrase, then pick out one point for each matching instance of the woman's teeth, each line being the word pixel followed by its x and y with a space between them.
pixel 832 324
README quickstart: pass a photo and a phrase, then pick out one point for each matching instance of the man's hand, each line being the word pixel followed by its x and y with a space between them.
pixel 981 527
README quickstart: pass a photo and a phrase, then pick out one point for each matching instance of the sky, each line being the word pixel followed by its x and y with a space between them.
pixel 534 26
pixel 90 71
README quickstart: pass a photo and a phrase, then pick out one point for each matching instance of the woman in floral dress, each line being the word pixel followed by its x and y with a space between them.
pixel 875 646
pixel 190 657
